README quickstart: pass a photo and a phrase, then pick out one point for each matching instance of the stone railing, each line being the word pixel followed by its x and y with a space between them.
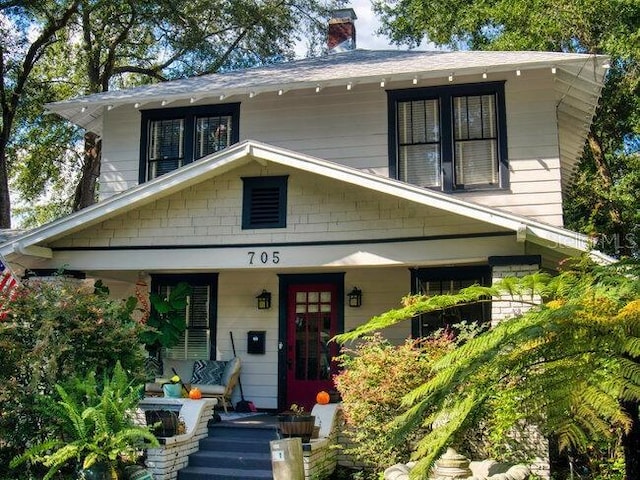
pixel 172 455
pixel 320 455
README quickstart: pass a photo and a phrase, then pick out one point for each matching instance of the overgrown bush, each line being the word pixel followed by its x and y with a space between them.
pixel 56 331
pixel 375 377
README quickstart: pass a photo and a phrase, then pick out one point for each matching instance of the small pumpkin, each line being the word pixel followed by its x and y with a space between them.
pixel 322 398
pixel 195 393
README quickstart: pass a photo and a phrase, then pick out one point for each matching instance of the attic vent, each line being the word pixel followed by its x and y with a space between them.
pixel 264 202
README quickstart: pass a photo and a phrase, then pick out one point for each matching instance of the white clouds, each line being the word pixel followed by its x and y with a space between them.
pixel 366 26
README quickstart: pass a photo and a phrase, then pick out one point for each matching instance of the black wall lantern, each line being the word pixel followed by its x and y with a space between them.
pixel 355 297
pixel 264 300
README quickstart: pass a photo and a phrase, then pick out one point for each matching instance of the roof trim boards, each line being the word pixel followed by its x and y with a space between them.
pixel 217 164
pixel 355 67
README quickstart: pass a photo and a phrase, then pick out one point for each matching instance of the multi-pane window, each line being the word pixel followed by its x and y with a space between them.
pixel 419 152
pixel 451 138
pixel 475 140
pixel 198 340
pixel 175 137
pixel 449 280
pixel 312 335
pixel 166 146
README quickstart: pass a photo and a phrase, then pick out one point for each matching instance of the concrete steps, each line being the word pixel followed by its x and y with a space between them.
pixel 234 450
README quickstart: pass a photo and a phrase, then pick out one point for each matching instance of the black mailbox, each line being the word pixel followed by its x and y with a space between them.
pixel 256 342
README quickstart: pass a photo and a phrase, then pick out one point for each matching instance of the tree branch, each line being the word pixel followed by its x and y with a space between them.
pixel 150 72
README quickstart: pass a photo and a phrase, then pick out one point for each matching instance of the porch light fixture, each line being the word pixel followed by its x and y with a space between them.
pixel 355 297
pixel 264 300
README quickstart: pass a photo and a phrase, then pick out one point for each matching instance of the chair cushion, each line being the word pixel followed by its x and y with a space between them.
pixel 232 368
pixel 183 367
pixel 207 389
pixel 152 387
pixel 208 372
pixel 152 368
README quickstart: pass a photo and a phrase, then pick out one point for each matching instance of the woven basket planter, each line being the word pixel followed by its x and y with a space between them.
pixel 297 426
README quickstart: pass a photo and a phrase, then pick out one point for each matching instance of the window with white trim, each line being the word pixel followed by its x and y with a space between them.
pixel 174 137
pixel 449 138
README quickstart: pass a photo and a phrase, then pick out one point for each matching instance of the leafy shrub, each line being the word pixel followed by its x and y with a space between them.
pixel 57 331
pixel 375 377
pixel 95 427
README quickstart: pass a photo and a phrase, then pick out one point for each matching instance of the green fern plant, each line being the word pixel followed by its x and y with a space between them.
pixel 98 430
pixel 569 365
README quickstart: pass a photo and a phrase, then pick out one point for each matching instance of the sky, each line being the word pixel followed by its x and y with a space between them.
pixel 366 25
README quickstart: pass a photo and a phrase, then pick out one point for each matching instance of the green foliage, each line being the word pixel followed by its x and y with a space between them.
pixel 564 366
pixel 374 378
pixel 167 320
pixel 118 44
pixel 95 427
pixel 56 331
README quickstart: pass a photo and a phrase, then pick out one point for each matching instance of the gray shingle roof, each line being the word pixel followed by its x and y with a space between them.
pixel 357 66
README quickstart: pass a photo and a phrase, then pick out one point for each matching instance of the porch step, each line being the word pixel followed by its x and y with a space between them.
pixel 234 450
pixel 212 473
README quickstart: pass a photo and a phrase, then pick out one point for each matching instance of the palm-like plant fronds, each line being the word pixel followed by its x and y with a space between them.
pixel 567 361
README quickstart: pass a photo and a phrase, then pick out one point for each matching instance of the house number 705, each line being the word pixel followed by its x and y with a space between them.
pixel 263 257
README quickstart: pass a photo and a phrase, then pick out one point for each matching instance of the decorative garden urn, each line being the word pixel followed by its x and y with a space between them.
pixel 450 466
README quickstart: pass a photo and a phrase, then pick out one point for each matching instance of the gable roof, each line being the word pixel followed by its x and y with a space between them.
pixel 35 241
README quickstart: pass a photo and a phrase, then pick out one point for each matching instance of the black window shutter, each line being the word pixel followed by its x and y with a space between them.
pixel 264 202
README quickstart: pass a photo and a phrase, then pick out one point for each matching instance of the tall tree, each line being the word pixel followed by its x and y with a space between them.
pixel 600 202
pixel 121 43
pixel 27 30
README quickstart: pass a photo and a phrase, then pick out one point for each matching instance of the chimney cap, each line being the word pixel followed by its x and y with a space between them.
pixel 344 13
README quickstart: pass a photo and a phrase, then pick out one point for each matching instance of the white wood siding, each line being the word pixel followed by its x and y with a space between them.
pixel 318 209
pixel 350 127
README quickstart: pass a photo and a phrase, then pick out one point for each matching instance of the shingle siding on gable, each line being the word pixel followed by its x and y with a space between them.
pixel 351 128
pixel 318 209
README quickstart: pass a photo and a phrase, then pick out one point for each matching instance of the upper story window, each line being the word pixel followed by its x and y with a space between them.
pixel 264 202
pixel 174 137
pixel 449 138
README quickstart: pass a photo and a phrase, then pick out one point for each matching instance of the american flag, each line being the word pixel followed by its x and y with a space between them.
pixel 8 281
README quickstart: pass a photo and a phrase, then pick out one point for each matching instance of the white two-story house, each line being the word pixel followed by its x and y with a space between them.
pixel 333 185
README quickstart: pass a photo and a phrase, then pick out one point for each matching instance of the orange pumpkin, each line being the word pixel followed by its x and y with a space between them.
pixel 195 393
pixel 322 398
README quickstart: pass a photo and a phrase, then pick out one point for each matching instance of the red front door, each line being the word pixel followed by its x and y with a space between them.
pixel 312 321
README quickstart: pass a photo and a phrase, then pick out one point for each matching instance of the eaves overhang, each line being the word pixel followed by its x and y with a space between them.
pixel 359 67
pixel 35 242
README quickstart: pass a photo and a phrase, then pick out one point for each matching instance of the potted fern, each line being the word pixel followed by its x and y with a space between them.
pixel 97 437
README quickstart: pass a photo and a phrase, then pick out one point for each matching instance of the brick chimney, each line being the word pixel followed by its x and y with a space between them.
pixel 342 31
